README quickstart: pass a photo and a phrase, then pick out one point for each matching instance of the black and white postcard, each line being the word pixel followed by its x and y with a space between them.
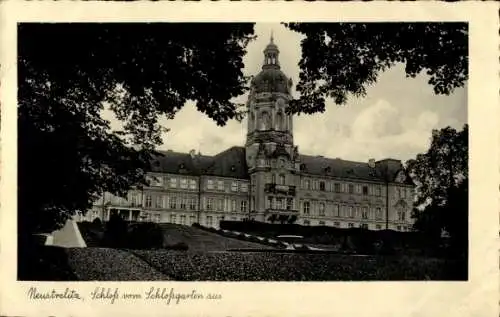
pixel 248 159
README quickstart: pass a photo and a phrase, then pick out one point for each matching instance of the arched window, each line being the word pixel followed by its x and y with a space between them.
pixel 265 121
pixel 279 121
pixel 282 180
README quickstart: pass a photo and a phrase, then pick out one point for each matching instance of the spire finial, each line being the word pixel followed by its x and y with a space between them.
pixel 272 37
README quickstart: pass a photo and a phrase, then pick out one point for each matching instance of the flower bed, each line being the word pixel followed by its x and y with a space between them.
pixel 267 266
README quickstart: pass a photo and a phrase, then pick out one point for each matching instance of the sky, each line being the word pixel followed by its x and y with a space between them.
pixel 394 120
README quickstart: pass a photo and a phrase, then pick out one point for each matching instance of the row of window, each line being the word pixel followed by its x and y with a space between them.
pixel 219 185
pixel 334 210
pixel 172 182
pixel 169 202
pixel 185 183
pixel 280 203
pixel 374 190
pixel 225 204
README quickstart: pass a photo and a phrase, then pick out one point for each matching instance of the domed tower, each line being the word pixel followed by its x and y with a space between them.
pixel 270 153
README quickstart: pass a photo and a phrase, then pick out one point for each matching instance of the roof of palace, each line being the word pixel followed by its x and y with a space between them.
pixel 231 163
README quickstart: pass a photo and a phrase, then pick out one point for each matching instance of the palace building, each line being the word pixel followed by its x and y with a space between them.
pixel 268 179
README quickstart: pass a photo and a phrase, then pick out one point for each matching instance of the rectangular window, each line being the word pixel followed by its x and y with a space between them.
pixel 192 184
pixel 192 204
pixel 378 213
pixel 378 227
pixel 243 206
pixel 209 220
pixel 289 204
pixel 358 189
pixel 173 203
pixel 321 223
pixel 183 219
pixel 351 188
pixel 308 184
pixel 350 211
pixel 279 203
pixel 182 202
pixel 364 214
pixel 337 187
pixel 173 219
pixel 401 216
pixel 269 202
pixel 307 222
pixel 351 225
pixel 184 183
pixel 210 184
pixel 192 219
pixel 233 205
pixel 336 211
pixel 399 228
pixel 159 202
pixel 336 224
pixel 364 226
pixel 306 207
pixel 365 190
pixel 244 187
pixel 220 204
pixel 378 191
pixel 322 186
pixel 234 186
pixel 148 201
pixel 220 185
pixel 210 203
pixel 173 182
pixel 133 200
pixel 282 180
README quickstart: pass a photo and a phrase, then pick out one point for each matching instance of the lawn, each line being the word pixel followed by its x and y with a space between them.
pixel 196 239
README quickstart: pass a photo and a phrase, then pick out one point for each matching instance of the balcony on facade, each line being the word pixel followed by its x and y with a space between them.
pixel 287 190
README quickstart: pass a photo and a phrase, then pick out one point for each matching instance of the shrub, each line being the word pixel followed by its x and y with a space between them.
pixel 97 222
pixel 145 236
pixel 115 235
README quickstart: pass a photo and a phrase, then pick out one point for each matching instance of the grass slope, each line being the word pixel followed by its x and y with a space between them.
pixel 200 240
pixel 197 239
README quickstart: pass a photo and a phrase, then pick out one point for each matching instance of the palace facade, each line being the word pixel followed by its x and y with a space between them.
pixel 268 179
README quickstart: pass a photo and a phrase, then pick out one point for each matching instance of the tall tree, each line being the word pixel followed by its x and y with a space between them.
pixel 441 175
pixel 66 74
pixel 342 59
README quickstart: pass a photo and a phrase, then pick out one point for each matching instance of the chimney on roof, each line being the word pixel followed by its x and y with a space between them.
pixel 192 153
